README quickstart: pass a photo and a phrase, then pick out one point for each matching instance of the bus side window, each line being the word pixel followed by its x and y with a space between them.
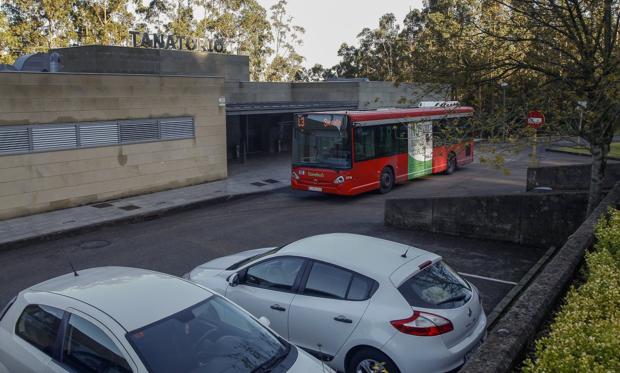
pixel 403 132
pixel 364 143
pixel 439 132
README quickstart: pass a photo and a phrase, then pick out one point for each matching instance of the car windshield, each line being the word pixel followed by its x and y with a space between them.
pixel 436 286
pixel 322 140
pixel 212 336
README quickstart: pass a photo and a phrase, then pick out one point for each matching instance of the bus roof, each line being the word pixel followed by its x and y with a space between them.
pixel 382 114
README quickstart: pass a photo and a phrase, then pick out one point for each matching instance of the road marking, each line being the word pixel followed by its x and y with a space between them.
pixel 487 278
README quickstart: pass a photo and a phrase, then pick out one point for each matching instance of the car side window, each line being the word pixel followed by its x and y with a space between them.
pixel 88 349
pixel 38 325
pixel 360 288
pixel 325 280
pixel 276 274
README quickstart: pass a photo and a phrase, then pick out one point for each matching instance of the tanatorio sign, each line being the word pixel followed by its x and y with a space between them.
pixel 176 42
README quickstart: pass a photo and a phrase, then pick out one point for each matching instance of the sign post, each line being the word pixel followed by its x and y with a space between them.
pixel 535 120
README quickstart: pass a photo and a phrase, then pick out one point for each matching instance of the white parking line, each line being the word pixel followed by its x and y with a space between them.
pixel 487 278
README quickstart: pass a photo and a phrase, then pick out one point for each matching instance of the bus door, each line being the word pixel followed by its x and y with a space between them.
pixel 420 149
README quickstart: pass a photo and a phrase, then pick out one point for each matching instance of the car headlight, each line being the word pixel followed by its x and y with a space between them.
pixel 339 180
pixel 295 176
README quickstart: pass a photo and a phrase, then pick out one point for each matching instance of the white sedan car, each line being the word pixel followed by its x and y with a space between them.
pixel 361 304
pixel 118 320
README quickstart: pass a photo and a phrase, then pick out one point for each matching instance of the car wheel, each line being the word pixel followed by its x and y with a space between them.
pixel 386 180
pixel 451 164
pixel 368 360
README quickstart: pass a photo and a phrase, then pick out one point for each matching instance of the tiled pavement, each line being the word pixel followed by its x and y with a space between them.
pixel 255 176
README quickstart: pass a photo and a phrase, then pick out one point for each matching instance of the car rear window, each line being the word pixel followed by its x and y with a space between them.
pixel 436 286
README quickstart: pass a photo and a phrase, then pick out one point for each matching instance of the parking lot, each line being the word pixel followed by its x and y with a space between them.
pixel 178 242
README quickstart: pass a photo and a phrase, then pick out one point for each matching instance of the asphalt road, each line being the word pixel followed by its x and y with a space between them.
pixel 176 243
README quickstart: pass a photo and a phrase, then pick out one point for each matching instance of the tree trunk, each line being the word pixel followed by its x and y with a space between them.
pixel 597 174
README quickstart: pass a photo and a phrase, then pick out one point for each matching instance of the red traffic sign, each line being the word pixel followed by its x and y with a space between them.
pixel 535 119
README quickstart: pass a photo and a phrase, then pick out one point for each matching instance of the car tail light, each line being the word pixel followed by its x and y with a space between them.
pixel 423 324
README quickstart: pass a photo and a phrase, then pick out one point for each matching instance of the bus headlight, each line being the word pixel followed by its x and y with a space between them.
pixel 339 180
pixel 295 176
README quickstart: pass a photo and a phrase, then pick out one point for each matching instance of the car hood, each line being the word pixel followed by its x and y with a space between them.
pixel 227 261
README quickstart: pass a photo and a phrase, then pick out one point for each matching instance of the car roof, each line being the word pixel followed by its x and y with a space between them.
pixel 133 297
pixel 373 257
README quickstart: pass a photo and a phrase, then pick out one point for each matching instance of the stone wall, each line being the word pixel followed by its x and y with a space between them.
pixel 124 60
pixel 519 325
pixel 536 219
pixel 368 95
pixel 36 182
pixel 374 95
pixel 570 177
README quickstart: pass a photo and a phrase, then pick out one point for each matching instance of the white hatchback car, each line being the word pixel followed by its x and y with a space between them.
pixel 357 302
pixel 117 320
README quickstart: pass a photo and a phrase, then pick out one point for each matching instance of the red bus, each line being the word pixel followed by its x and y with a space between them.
pixel 352 152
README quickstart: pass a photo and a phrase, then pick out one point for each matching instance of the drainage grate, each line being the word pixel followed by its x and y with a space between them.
pixel 102 205
pixel 271 181
pixel 258 183
pixel 130 207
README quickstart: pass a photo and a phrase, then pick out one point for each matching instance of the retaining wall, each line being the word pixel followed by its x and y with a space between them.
pixel 570 177
pixel 506 341
pixel 535 219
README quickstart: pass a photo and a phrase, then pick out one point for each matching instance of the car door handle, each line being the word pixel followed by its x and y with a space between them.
pixel 343 319
pixel 277 307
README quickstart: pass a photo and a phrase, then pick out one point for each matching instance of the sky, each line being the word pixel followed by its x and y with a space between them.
pixel 329 23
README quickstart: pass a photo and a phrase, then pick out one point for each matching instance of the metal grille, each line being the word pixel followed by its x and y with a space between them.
pixel 139 131
pixel 53 138
pixel 14 141
pixel 40 138
pixel 175 128
pixel 100 134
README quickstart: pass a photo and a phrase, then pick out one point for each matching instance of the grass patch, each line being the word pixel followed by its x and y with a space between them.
pixel 614 151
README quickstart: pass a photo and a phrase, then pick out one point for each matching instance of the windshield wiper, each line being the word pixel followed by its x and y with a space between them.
pixel 268 365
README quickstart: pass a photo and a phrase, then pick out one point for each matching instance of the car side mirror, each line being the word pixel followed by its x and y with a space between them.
pixel 233 280
pixel 264 321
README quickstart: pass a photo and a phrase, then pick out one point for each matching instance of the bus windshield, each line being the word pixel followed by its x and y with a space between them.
pixel 322 140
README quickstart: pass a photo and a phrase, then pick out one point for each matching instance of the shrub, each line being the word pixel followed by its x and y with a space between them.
pixel 585 335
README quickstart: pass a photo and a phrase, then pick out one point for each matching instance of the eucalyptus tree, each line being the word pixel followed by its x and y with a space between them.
pixel 285 63
pixel 105 22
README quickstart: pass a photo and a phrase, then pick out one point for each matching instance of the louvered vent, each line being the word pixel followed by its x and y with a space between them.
pixel 13 141
pixel 139 131
pixel 54 137
pixel 40 138
pixel 99 134
pixel 177 128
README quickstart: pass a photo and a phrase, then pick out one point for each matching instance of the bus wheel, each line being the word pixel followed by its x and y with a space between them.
pixel 451 164
pixel 386 180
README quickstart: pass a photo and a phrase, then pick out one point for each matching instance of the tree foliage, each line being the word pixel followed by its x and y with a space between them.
pixel 29 26
pixel 507 57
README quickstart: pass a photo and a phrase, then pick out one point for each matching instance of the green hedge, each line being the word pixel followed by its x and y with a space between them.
pixel 585 335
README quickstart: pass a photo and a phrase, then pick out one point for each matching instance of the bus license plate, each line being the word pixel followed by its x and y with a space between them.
pixel 315 189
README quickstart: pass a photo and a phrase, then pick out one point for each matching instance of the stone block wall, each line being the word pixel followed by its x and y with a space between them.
pixel 37 182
